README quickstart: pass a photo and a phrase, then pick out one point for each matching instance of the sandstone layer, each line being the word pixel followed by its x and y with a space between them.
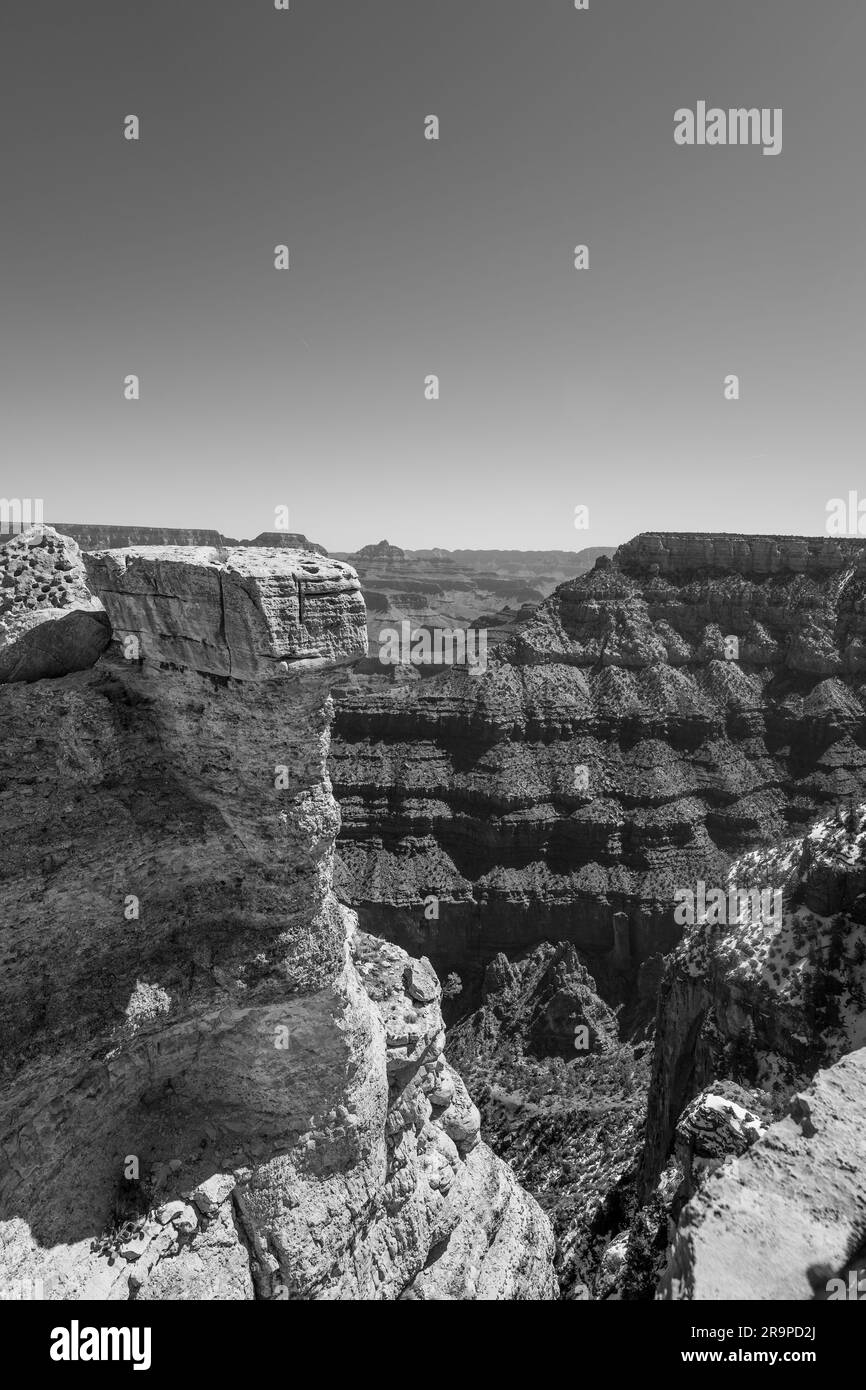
pixel 241 613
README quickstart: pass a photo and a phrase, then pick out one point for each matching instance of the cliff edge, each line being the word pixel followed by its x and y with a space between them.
pixel 212 1085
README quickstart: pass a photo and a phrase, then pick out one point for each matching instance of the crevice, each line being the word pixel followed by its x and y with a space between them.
pixel 222 630
pixel 248 1242
pixel 300 584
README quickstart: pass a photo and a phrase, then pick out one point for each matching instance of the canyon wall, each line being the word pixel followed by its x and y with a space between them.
pixel 769 1000
pixel 446 589
pixel 671 709
pixel 212 1085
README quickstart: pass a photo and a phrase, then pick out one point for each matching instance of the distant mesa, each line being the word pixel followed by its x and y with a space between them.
pixel 94 537
pixel 279 540
pixel 382 550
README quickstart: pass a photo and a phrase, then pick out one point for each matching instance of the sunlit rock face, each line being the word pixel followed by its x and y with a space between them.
pixel 244 613
pixel 50 623
pixel 212 1085
pixel 782 1221
pixel 690 699
pixel 771 998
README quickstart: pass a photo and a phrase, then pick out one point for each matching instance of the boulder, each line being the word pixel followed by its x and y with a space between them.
pixel 714 1126
pixel 246 613
pixel 50 624
pixel 421 981
pixel 760 1227
pixel 213 1192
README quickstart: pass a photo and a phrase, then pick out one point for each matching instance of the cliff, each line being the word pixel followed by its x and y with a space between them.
pixel 784 1220
pixel 212 1085
pixel 672 709
pixel 457 589
pixel 766 1002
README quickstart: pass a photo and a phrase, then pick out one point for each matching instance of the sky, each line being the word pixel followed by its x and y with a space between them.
pixel 305 388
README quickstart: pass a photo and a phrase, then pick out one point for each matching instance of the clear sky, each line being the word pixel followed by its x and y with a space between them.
pixel 305 388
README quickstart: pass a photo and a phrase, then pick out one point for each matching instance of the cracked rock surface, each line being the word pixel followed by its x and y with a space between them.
pixel 240 612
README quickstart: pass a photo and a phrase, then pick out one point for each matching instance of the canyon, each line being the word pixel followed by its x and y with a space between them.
pixel 465 789
pixel 254 1085
pixel 434 589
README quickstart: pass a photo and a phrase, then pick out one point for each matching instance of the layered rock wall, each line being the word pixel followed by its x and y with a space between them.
pixel 769 1000
pixel 212 1086
pixel 677 706
pixel 250 614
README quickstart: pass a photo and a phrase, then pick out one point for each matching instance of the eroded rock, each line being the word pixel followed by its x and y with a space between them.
pixel 760 1226
pixel 210 1032
pixel 50 623
pixel 242 612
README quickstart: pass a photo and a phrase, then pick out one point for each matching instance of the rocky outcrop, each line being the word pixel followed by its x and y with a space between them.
pixel 547 998
pixel 716 1124
pixel 780 1221
pixel 656 718
pixel 50 624
pixel 561 1097
pixel 250 614
pixel 765 1002
pixel 212 1086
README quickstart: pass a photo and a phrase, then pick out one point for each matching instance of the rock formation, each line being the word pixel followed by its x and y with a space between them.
pixel 767 1003
pixel 433 589
pixel 50 624
pixel 560 1097
pixel 212 1085
pixel 715 1125
pixel 251 614
pixel 781 1221
pixel 657 717
pixel 280 540
pixel 97 537
pixel 382 550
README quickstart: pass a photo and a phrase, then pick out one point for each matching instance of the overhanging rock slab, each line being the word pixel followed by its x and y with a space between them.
pixel 247 613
